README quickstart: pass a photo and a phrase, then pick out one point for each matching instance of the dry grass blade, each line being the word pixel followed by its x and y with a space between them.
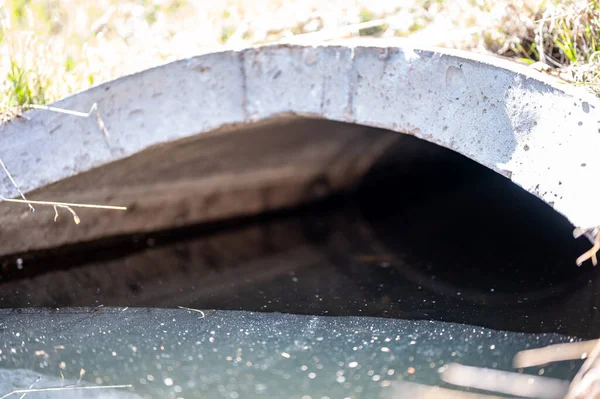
pixel 73 204
pixel 192 310
pixel 93 108
pixel 71 388
pixel 30 387
pixel 14 183
pixel 66 206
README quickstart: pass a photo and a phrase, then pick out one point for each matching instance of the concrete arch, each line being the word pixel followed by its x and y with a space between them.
pixel 543 136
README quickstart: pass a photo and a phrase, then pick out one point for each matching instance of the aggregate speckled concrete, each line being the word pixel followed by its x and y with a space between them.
pixel 542 135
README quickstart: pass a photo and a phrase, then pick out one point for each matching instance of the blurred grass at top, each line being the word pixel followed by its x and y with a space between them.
pixel 52 48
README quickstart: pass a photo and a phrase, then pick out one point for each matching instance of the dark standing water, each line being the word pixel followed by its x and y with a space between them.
pixel 426 237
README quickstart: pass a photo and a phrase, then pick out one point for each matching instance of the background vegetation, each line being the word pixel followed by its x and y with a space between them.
pixel 52 48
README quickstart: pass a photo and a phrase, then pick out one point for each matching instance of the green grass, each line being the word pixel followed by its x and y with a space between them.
pixel 565 43
pixel 365 16
pixel 25 87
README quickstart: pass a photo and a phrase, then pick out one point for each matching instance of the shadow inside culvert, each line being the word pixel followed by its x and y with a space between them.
pixel 427 235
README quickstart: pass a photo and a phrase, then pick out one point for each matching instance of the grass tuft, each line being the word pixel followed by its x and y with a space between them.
pixel 26 87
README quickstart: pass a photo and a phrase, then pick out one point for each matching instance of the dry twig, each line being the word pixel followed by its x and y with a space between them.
pixel 592 253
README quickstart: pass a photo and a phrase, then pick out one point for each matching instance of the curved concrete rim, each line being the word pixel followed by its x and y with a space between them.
pixel 543 136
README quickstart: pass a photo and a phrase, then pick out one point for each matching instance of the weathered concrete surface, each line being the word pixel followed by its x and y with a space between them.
pixel 543 136
pixel 205 178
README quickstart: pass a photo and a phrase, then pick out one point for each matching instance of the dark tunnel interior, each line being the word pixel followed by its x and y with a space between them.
pixel 427 234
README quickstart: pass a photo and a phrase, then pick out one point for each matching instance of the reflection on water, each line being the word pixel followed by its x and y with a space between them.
pixel 428 236
pixel 330 262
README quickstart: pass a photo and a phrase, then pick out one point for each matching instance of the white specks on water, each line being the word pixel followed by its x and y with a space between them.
pixel 260 388
pixel 342 355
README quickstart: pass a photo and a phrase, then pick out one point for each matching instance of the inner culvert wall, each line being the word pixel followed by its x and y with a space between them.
pixel 226 174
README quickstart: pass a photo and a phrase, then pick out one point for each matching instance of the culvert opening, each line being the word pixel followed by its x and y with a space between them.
pixel 318 217
pixel 307 218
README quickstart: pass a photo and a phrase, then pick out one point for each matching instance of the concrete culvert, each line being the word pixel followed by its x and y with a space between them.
pixel 541 136
pixel 372 183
